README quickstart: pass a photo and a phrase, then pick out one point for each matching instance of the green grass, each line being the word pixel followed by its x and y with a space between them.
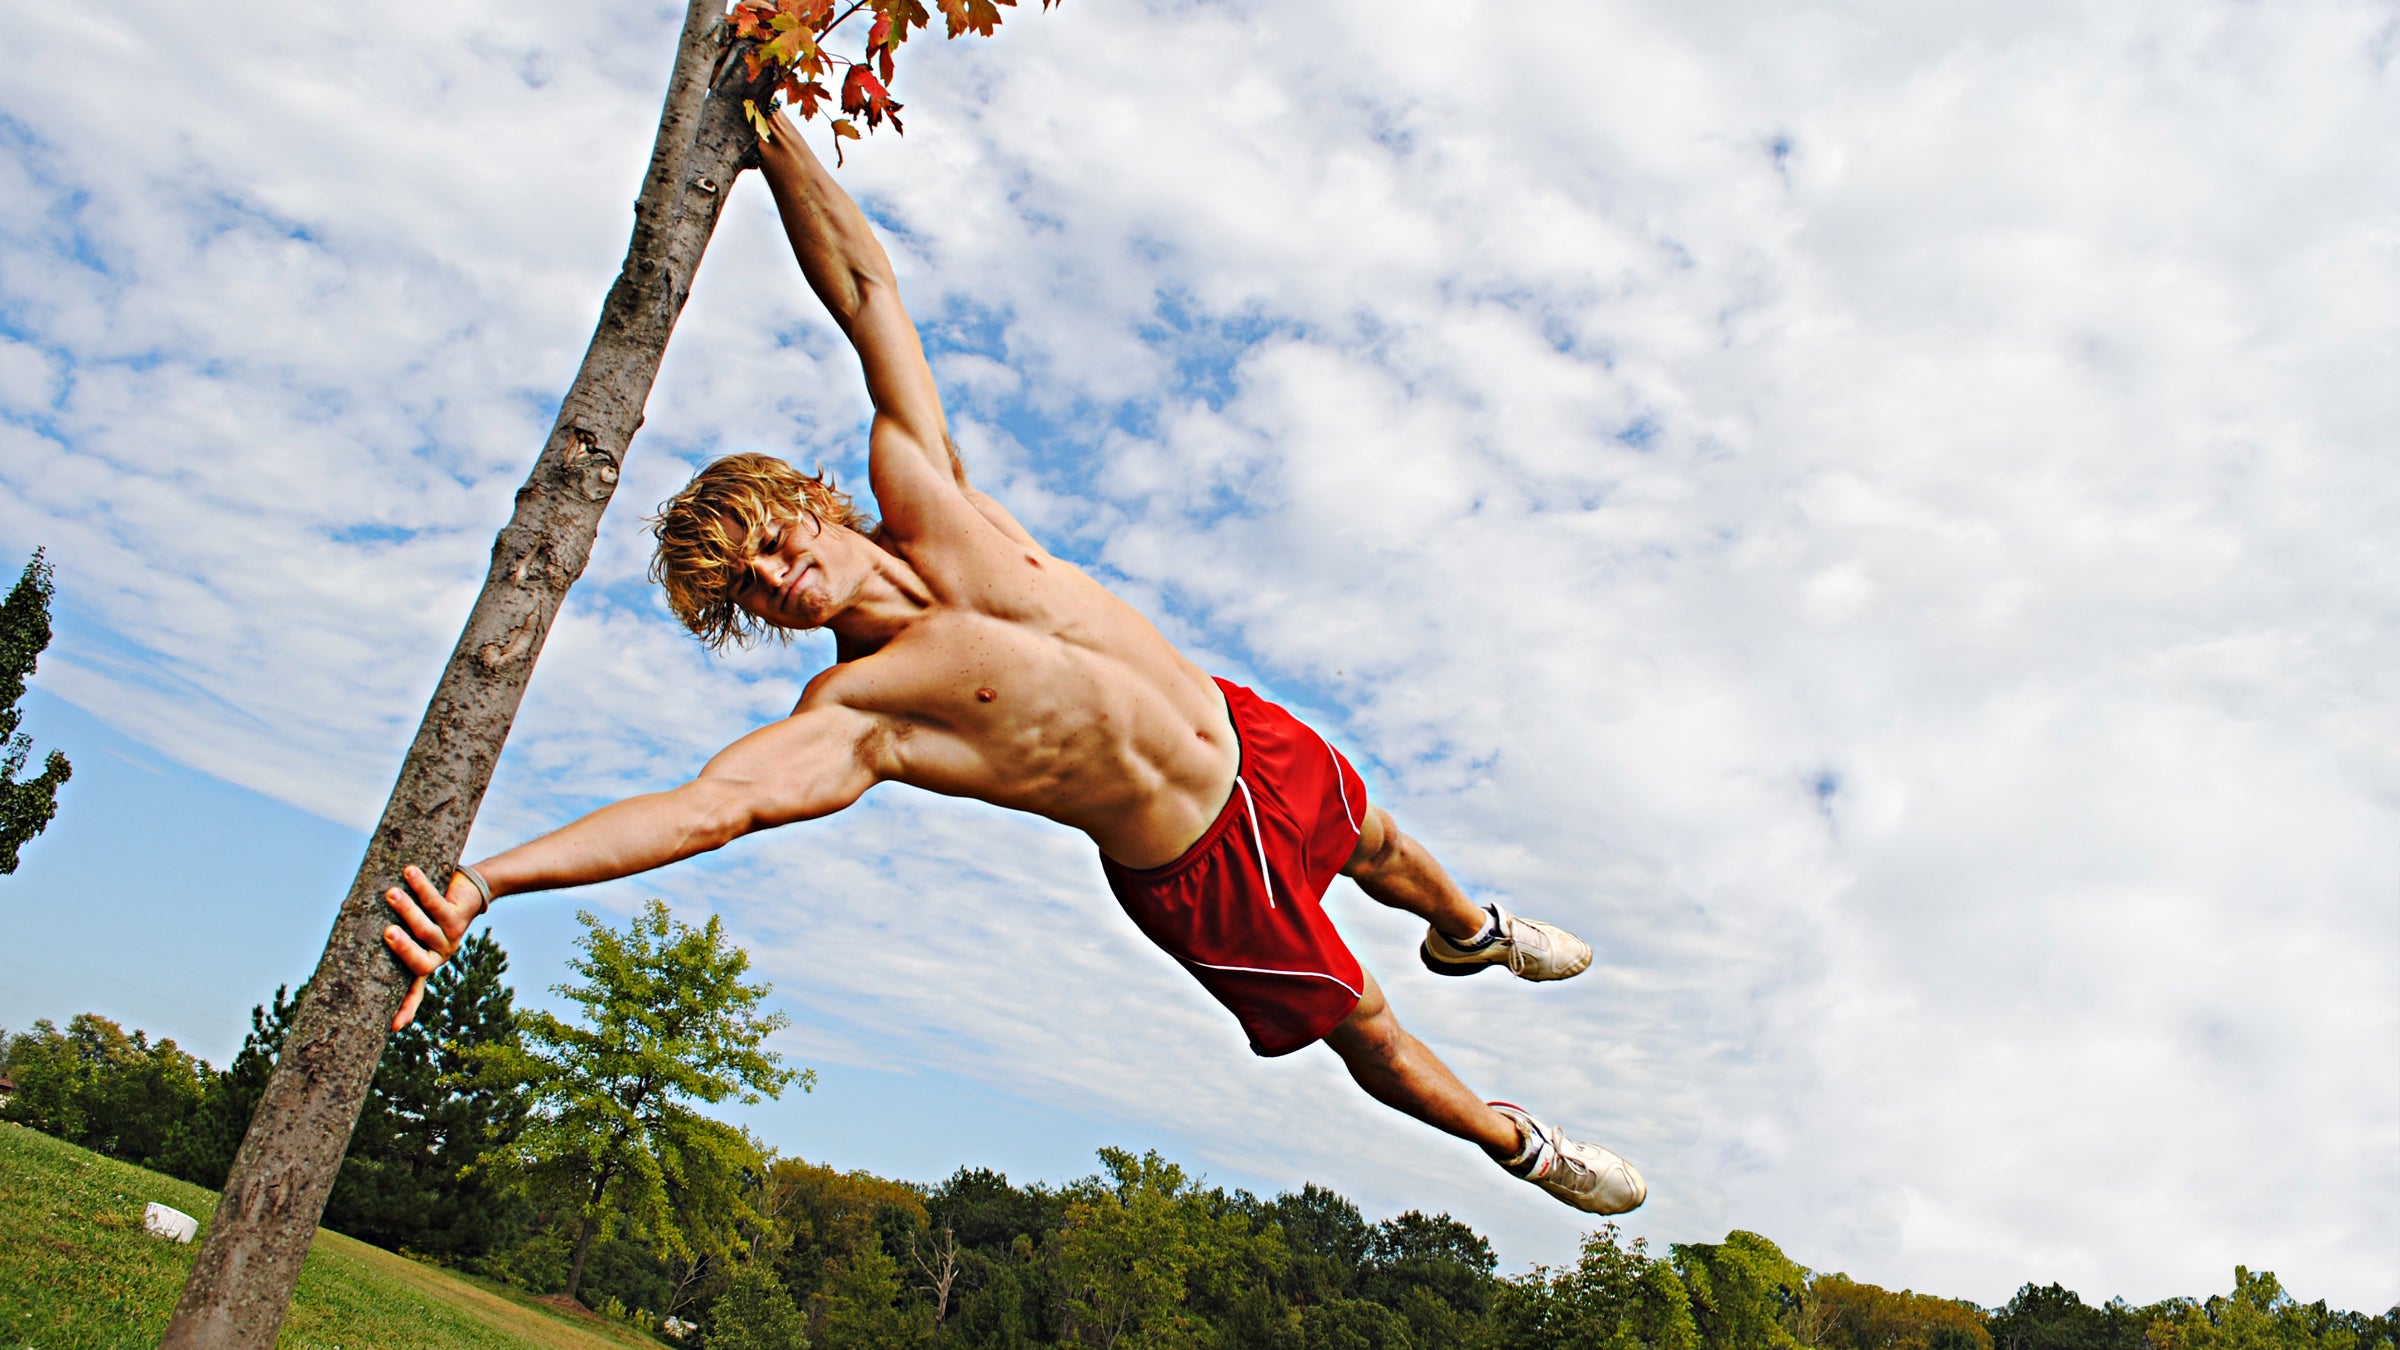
pixel 78 1273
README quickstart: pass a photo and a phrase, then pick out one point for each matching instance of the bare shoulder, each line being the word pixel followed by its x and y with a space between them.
pixel 891 680
pixel 841 705
pixel 1001 520
pixel 841 685
pixel 985 562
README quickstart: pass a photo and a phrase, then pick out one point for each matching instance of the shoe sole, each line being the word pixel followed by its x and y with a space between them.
pixel 1451 968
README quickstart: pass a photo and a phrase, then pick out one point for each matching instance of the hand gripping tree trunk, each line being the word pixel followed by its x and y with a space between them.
pixel 242 1281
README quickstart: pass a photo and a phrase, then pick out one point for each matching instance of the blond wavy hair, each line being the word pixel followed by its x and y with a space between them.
pixel 708 533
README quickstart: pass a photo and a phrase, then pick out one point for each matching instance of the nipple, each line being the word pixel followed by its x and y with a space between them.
pixel 985 694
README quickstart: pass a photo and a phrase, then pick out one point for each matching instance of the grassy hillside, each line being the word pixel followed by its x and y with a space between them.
pixel 78 1272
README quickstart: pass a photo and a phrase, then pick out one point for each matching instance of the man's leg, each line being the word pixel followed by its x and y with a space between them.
pixel 1396 870
pixel 1396 1069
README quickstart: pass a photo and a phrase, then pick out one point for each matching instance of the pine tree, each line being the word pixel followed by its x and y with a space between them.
pixel 203 1152
pixel 26 806
pixel 411 1177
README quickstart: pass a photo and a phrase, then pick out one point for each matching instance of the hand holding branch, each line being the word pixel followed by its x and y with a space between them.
pixel 436 922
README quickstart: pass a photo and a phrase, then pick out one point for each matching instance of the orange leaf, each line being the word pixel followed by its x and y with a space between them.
pixel 983 15
pixel 863 93
pixel 907 14
pixel 806 94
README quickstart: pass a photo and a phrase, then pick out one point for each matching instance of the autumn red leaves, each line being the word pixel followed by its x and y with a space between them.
pixel 788 46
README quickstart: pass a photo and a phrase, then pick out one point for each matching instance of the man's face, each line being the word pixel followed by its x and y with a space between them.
pixel 799 577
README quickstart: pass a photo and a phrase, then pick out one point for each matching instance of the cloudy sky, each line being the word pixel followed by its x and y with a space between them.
pixel 1866 511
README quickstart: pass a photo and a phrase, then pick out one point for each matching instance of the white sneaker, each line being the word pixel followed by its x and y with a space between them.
pixel 1531 949
pixel 1586 1176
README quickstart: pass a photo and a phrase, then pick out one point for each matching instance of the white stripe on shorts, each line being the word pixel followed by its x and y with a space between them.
pixel 1260 970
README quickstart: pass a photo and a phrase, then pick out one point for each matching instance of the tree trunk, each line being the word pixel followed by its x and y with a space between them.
pixel 243 1278
pixel 583 1248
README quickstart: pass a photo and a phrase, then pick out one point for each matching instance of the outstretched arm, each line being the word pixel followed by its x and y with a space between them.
pixel 910 463
pixel 811 764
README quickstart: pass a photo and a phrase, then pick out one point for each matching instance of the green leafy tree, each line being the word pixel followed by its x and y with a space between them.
pixel 1845 1314
pixel 141 1094
pixel 756 1313
pixel 50 1080
pixel 26 804
pixel 1615 1297
pixel 842 1238
pixel 2054 1317
pixel 1743 1290
pixel 613 1139
pixel 857 1307
pixel 99 1086
pixel 2260 1315
pixel 1144 1252
pixel 412 1177
pixel 1327 1238
pixel 1437 1256
pixel 1355 1324
pixel 1004 1296
pixel 988 1214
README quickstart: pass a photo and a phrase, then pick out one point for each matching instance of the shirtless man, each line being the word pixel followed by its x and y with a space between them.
pixel 971 662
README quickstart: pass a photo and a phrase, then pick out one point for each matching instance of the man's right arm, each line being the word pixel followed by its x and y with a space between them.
pixel 811 764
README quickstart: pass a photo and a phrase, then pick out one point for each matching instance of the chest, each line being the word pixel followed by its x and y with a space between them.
pixel 1038 673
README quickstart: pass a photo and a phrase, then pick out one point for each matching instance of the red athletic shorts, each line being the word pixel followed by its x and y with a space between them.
pixel 1240 909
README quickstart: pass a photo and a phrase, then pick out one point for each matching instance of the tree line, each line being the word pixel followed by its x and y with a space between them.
pixel 577 1157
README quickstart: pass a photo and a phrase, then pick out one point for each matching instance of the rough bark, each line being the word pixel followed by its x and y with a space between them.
pixel 242 1280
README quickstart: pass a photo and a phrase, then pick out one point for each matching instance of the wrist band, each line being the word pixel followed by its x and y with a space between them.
pixel 482 887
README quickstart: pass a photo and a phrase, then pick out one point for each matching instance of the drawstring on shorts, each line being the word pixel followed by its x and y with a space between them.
pixel 1259 838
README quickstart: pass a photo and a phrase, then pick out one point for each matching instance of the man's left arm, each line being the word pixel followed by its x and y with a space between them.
pixel 910 462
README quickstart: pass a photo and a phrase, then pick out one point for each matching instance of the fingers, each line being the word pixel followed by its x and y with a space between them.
pixel 408 1005
pixel 416 961
pixel 421 887
pixel 427 940
pixel 412 910
pixel 413 958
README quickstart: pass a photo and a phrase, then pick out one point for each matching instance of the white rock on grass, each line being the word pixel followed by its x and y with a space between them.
pixel 169 1223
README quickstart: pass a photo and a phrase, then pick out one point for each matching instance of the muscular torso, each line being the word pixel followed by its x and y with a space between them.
pixel 1026 684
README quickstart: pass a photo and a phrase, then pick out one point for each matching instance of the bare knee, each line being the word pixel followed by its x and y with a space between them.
pixel 1379 845
pixel 1369 1037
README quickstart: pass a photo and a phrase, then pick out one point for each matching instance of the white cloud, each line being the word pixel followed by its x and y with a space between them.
pixel 1877 516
